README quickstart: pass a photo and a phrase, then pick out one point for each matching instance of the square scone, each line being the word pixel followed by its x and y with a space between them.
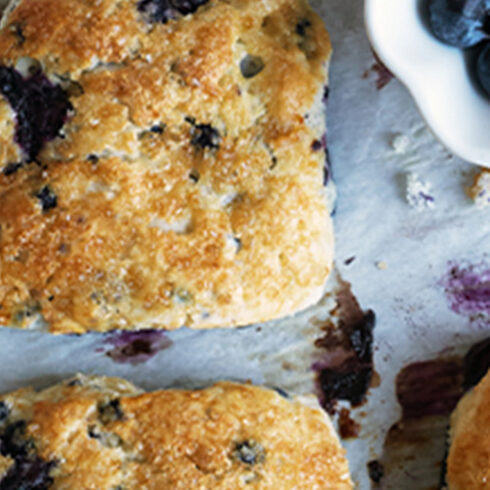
pixel 162 163
pixel 105 433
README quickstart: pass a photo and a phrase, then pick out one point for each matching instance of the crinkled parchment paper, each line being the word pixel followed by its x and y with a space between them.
pixel 397 257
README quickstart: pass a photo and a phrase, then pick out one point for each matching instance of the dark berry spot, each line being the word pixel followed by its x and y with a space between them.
pixel 74 382
pixel 316 145
pixel 47 198
pixel 238 244
pixel 157 128
pixel 194 176
pixel 301 27
pixel 111 411
pixel 28 474
pixel 251 65
pixel 203 135
pixel 13 442
pixel 283 393
pixel 375 470
pixel 326 93
pixel 19 34
pixel 249 452
pixel 41 108
pixel 11 168
pixel 4 411
pixel 327 168
pixel 92 158
pixel 165 10
pixel 93 432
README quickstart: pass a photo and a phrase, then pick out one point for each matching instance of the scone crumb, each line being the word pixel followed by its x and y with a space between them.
pixel 381 265
pixel 400 143
pixel 418 192
pixel 480 190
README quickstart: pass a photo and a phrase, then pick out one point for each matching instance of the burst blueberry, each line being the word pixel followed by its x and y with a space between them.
pixel 41 108
pixel 165 10
pixel 47 198
pixel 460 23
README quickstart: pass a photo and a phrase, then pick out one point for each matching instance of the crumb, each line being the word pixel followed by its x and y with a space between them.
pixel 348 427
pixel 418 192
pixel 400 143
pixel 382 265
pixel 480 190
pixel 349 260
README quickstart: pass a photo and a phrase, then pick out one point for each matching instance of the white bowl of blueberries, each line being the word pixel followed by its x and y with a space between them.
pixel 440 49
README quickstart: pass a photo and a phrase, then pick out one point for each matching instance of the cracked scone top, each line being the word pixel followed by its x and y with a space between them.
pixel 162 163
pixel 104 433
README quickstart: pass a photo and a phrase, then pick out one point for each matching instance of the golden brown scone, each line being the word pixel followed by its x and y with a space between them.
pixel 104 433
pixel 180 162
pixel 468 462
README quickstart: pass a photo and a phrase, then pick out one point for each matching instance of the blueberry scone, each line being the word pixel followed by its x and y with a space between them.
pixel 468 461
pixel 104 433
pixel 162 162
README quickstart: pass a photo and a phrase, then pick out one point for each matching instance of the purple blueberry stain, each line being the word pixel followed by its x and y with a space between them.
pixel 344 367
pixel 467 288
pixel 41 108
pixel 165 10
pixel 135 347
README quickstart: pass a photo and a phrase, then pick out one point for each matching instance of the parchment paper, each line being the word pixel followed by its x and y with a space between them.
pixel 402 258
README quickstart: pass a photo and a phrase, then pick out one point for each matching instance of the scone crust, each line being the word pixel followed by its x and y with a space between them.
pixel 229 436
pixel 150 229
pixel 468 462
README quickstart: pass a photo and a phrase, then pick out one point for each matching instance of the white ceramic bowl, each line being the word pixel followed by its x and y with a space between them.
pixel 435 74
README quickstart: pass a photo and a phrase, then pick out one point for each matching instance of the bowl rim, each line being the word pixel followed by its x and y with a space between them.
pixel 463 151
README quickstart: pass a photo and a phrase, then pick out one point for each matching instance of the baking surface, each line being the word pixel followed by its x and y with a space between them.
pixel 424 272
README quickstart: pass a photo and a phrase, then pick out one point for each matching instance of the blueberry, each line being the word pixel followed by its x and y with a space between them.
pixel 28 474
pixel 41 108
pixel 12 441
pixel 203 135
pixel 111 411
pixel 11 168
pixel 302 26
pixel 47 198
pixel 459 23
pixel 251 65
pixel 249 452
pixel 164 10
pixel 483 67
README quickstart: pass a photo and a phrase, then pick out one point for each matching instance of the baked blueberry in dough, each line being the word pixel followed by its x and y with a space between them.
pixel 161 163
pixel 104 433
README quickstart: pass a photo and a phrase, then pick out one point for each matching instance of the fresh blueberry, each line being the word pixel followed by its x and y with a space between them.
pixel 164 10
pixel 460 23
pixel 41 108
pixel 47 198
pixel 483 67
